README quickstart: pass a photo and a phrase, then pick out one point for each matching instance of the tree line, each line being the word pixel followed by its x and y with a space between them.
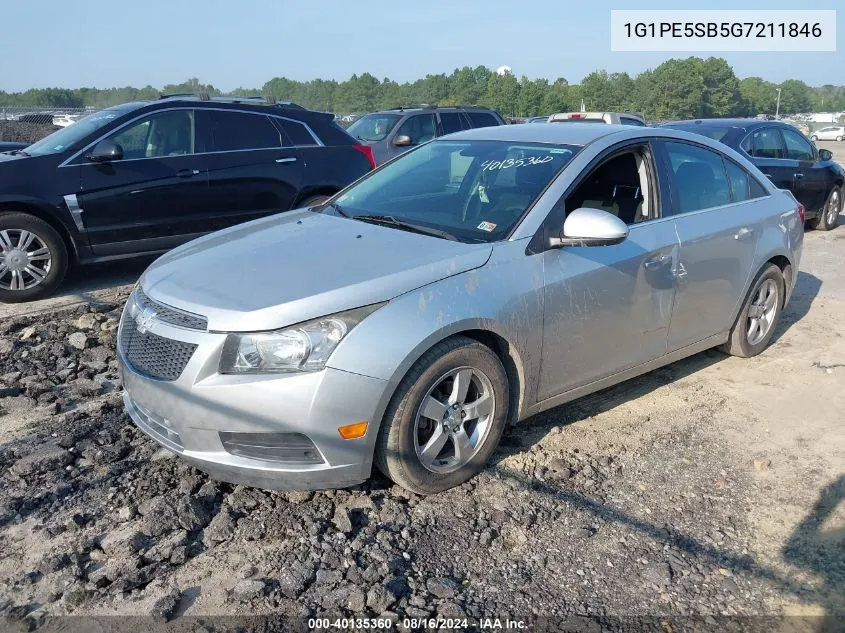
pixel 676 89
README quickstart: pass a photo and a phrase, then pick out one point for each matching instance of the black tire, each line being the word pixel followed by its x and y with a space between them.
pixel 814 138
pixel 829 217
pixel 738 344
pixel 14 222
pixel 396 455
pixel 839 138
pixel 313 201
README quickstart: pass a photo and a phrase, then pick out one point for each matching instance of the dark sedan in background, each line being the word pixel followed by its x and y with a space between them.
pixel 787 158
pixel 141 178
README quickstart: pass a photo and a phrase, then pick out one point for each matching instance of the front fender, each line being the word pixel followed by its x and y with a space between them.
pixel 504 297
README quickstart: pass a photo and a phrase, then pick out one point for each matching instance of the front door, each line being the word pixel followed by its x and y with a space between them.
pixel 150 199
pixel 420 128
pixel 810 181
pixel 608 308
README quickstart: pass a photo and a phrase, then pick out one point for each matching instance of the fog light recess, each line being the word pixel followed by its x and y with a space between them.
pixel 290 448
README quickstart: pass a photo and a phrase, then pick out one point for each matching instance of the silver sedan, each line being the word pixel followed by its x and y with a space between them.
pixel 471 283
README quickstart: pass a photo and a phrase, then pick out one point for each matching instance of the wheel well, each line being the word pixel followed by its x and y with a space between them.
pixel 38 212
pixel 513 367
pixel 315 191
pixel 785 268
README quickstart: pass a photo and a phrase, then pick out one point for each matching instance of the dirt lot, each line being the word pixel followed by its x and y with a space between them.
pixel 710 487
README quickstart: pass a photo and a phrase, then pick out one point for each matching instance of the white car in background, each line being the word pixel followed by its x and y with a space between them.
pixel 618 118
pixel 63 120
pixel 831 133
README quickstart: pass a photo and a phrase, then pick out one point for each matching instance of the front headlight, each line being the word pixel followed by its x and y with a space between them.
pixel 303 347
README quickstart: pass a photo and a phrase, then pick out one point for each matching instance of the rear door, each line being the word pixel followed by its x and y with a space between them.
pixel 449 122
pixel 480 118
pixel 717 218
pixel 253 169
pixel 151 199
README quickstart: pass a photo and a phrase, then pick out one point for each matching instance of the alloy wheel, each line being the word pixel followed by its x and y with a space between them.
pixel 25 259
pixel 761 312
pixel 833 205
pixel 454 419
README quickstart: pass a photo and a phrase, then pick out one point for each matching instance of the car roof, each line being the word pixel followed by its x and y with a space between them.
pixel 431 108
pixel 745 124
pixel 553 134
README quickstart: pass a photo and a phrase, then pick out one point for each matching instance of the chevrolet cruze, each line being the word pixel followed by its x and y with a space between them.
pixel 476 280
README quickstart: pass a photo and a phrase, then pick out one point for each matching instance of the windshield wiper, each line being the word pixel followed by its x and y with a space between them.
pixel 389 220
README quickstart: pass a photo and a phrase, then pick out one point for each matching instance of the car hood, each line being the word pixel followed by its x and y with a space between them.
pixel 299 265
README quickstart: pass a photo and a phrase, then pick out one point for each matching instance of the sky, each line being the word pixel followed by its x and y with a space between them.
pixel 244 43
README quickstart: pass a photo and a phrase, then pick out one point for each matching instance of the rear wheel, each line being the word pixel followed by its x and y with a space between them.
pixel 839 138
pixel 446 418
pixel 814 138
pixel 33 258
pixel 830 212
pixel 757 320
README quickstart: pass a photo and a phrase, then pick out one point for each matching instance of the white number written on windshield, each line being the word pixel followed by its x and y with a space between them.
pixel 491 165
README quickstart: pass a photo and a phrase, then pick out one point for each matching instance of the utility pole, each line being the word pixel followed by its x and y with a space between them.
pixel 777 109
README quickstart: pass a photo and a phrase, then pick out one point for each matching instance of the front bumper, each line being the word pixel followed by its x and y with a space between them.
pixel 186 416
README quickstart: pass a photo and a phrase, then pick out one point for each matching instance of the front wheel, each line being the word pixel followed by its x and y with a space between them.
pixel 830 212
pixel 814 138
pixel 33 258
pixel 757 320
pixel 446 417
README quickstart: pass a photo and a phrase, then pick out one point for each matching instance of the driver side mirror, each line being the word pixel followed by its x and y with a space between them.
pixel 590 227
pixel 105 151
pixel 825 154
pixel 402 140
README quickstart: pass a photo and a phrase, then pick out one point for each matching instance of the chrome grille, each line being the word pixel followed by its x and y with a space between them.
pixel 151 355
pixel 165 313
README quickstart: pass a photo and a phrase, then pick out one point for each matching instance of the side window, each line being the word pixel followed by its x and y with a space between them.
pixel 168 133
pixel 296 132
pixel 481 119
pixel 765 143
pixel 698 176
pixel 451 122
pixel 419 127
pixel 232 131
pixel 619 186
pixel 797 147
pixel 629 121
pixel 743 185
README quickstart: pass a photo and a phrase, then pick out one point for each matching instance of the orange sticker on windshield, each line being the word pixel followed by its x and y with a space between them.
pixel 487 226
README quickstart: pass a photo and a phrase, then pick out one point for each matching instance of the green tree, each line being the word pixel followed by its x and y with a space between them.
pixel 673 90
pixel 502 93
pixel 794 97
pixel 721 96
pixel 758 95
pixel 531 95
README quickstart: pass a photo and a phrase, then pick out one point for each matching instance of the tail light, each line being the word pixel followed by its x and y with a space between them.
pixel 802 212
pixel 367 151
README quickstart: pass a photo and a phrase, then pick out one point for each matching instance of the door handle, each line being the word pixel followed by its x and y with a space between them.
pixel 798 175
pixel 187 173
pixel 658 261
pixel 743 233
pixel 286 160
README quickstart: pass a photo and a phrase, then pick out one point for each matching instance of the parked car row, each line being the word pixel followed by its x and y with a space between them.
pixel 144 177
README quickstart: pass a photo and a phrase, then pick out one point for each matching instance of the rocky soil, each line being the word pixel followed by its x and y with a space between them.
pixel 652 498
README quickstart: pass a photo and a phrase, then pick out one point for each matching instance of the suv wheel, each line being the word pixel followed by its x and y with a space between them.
pixel 33 258
pixel 313 201
pixel 830 211
pixel 446 417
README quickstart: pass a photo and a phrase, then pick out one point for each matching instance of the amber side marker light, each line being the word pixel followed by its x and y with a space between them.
pixel 353 431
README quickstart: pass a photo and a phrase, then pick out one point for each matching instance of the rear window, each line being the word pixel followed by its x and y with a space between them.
pixel 482 119
pixel 232 131
pixel 296 132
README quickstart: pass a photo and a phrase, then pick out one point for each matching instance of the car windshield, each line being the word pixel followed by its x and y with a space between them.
pixel 471 191
pixel 61 140
pixel 373 127
pixel 716 132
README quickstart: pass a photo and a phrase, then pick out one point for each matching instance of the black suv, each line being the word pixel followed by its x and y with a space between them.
pixel 392 132
pixel 141 178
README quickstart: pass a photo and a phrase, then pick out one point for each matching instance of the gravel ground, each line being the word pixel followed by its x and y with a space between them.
pixel 709 487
